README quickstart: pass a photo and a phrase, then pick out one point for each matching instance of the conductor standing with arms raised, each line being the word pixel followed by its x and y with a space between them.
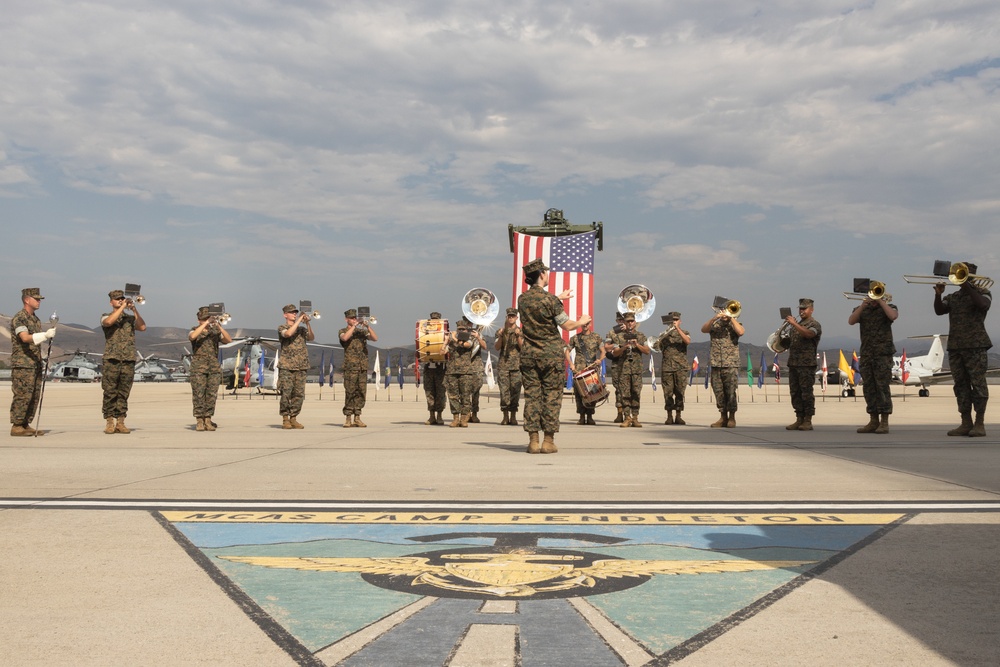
pixel 542 357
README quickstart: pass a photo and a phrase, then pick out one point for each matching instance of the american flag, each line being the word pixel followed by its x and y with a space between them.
pixel 570 260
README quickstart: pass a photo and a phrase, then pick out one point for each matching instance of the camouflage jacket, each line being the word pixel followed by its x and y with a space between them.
pixel 24 355
pixel 876 332
pixel 802 351
pixel 119 338
pixel 616 362
pixel 510 350
pixel 724 345
pixel 461 361
pixel 587 347
pixel 674 350
pixel 631 359
pixel 205 351
pixel 966 323
pixel 355 350
pixel 294 355
pixel 541 314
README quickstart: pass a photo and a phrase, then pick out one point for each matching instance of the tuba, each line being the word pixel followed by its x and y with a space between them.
pixel 480 306
pixel 779 341
pixel 638 300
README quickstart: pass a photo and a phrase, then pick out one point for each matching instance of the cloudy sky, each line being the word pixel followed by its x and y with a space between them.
pixel 259 152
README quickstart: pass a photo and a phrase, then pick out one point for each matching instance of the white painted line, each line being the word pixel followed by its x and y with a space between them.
pixel 335 653
pixel 632 653
pixel 487 645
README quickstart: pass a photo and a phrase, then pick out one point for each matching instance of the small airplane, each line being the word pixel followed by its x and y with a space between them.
pixel 923 370
pixel 78 368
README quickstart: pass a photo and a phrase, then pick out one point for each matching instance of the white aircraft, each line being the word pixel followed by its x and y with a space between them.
pixel 923 370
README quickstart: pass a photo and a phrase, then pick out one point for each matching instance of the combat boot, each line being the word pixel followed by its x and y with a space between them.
pixel 357 422
pixel 121 427
pixel 210 425
pixel 978 429
pixel 590 420
pixel 295 422
pixel 621 416
pixel 19 431
pixel 965 427
pixel 626 420
pixel 109 428
pixel 720 422
pixel 200 426
pixel 431 420
pixel 582 420
pixel 731 422
pixel 678 421
pixel 440 418
pixel 506 418
pixel 873 423
pixel 807 424
pixel 883 423
pixel 533 446
pixel 794 426
pixel 513 418
pixel 635 420
pixel 456 421
pixel 348 422
pixel 549 444
pixel 472 419
pixel 463 421
pixel 670 418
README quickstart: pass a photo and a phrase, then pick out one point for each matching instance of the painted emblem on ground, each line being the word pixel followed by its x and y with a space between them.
pixel 425 588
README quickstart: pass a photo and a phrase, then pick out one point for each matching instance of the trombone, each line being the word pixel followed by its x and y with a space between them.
pixel 876 292
pixel 731 308
pixel 957 273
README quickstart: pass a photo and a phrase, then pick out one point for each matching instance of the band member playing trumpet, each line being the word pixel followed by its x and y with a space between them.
pixel 508 344
pixel 118 371
pixel 293 364
pixel 629 346
pixel 205 373
pixel 462 373
pixel 542 357
pixel 805 335
pixel 673 344
pixel 967 345
pixel 586 350
pixel 434 385
pixel 724 355
pixel 26 338
pixel 354 339
pixel 876 317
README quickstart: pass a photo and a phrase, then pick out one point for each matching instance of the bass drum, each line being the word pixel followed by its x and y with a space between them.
pixel 432 341
pixel 777 343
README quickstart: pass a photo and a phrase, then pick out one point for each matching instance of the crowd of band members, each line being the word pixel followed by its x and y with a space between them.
pixel 531 355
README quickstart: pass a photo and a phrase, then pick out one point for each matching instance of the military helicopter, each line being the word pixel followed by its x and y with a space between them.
pixel 256 366
pixel 78 368
pixel 152 369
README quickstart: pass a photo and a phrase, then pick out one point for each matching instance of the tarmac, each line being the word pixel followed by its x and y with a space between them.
pixel 102 565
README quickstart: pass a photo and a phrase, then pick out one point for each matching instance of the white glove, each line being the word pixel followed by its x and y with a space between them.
pixel 43 336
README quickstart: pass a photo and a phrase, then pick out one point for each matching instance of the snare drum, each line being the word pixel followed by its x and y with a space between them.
pixel 432 341
pixel 588 384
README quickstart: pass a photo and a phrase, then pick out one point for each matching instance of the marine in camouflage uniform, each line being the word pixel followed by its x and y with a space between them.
pixel 205 374
pixel 968 343
pixel 462 374
pixel 586 350
pixel 673 344
pixel 354 339
pixel 478 371
pixel 616 365
pixel 508 344
pixel 543 370
pixel 876 317
pixel 724 356
pixel 293 364
pixel 118 370
pixel 434 388
pixel 802 346
pixel 629 346
pixel 26 363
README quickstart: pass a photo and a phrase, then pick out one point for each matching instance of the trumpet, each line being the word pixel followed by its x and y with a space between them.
pixel 365 317
pixel 876 292
pixel 958 273
pixel 133 296
pixel 637 299
pixel 306 307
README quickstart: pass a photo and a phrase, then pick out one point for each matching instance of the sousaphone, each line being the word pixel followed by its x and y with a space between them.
pixel 638 300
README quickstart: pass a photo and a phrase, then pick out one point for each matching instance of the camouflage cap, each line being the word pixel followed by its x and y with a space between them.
pixel 116 294
pixel 512 312
pixel 351 312
pixel 203 313
pixel 290 308
pixel 674 315
pixel 629 317
pixel 435 315
pixel 805 303
pixel 33 292
pixel 618 315
pixel 535 266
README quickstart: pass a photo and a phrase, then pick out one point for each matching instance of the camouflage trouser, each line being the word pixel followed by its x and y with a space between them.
pixel 630 386
pixel 460 391
pixel 116 381
pixel 205 391
pixel 26 384
pixel 510 388
pixel 292 385
pixel 616 374
pixel 801 380
pixel 725 380
pixel 434 389
pixel 543 386
pixel 477 386
pixel 581 407
pixel 674 384
pixel 355 391
pixel 876 374
pixel 968 368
